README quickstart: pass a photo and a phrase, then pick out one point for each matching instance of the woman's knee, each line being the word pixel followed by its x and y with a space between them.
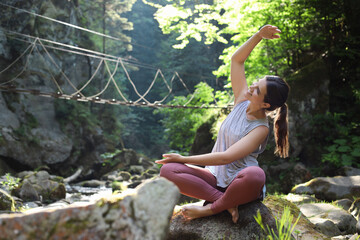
pixel 255 175
pixel 168 170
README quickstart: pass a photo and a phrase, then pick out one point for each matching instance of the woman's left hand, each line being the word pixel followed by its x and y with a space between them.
pixel 171 157
pixel 269 32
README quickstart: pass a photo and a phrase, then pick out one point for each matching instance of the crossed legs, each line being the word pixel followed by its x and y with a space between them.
pixel 200 183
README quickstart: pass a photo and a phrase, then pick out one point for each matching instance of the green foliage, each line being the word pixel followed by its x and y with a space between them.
pixel 108 158
pixel 284 226
pixel 105 16
pixel 337 141
pixel 11 182
pixel 240 19
pixel 181 123
pixel 310 29
pixel 343 152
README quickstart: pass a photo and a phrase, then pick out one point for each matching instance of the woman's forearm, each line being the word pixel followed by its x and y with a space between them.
pixel 208 159
pixel 242 53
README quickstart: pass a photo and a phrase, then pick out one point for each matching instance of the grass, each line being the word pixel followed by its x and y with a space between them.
pixel 284 228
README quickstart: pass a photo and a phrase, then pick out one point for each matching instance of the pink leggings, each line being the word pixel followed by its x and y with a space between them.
pixel 200 183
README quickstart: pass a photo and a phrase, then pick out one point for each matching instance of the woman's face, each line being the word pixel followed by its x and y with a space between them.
pixel 256 92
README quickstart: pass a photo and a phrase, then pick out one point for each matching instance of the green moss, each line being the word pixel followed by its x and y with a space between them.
pixel 75 225
pixel 58 179
pixel 276 202
pixel 6 203
pixel 118 186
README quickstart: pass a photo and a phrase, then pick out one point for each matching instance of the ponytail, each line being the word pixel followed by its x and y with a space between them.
pixel 276 95
pixel 281 131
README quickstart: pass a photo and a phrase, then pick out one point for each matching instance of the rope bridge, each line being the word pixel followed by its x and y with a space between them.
pixel 104 60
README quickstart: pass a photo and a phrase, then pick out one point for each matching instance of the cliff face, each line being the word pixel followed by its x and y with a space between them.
pixel 34 130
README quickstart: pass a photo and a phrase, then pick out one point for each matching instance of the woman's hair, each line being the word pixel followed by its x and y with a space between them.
pixel 276 95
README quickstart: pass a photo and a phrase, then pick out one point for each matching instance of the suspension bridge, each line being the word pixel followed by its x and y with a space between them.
pixel 41 47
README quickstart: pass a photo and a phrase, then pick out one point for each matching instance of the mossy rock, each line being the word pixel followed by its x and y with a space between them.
pixel 7 203
pixel 125 175
pixel 304 226
pixel 118 186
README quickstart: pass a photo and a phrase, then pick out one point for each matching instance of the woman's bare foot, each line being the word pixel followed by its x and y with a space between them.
pixel 234 214
pixel 192 212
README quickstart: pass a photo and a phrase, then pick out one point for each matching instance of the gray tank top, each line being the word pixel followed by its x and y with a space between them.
pixel 235 127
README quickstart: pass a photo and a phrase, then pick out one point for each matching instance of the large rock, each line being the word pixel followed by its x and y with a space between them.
pixel 220 226
pixel 144 214
pixel 34 131
pixel 330 220
pixel 41 186
pixel 330 188
pixel 30 132
pixel 348 171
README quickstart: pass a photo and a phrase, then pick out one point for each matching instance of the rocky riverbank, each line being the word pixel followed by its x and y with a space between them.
pixel 41 196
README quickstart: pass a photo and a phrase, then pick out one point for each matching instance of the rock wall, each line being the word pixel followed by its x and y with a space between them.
pixel 31 134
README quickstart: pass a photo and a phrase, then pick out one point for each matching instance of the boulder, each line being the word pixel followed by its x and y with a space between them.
pixel 144 214
pixel 349 171
pixel 7 203
pixel 344 203
pixel 220 226
pixel 92 183
pixel 42 141
pixel 125 175
pixel 299 199
pixel 329 219
pixel 204 139
pixel 330 188
pixel 40 186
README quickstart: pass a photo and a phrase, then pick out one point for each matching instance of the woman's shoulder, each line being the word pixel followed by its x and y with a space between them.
pixel 240 100
pixel 243 103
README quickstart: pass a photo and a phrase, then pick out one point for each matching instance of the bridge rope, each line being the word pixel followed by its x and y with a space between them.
pixel 103 60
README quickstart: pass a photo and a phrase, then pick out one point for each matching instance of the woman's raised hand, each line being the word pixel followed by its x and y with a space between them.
pixel 170 157
pixel 269 32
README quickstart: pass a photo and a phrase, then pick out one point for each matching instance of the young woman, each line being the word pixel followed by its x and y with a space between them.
pixel 232 176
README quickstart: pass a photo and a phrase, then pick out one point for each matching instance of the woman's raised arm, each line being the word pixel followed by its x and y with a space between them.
pixel 238 79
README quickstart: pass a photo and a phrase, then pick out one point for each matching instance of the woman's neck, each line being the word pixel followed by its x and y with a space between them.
pixel 255 112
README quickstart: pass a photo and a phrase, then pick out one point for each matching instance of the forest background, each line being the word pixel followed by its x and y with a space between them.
pixel 196 39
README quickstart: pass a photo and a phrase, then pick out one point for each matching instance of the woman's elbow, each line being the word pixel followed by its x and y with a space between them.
pixel 237 59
